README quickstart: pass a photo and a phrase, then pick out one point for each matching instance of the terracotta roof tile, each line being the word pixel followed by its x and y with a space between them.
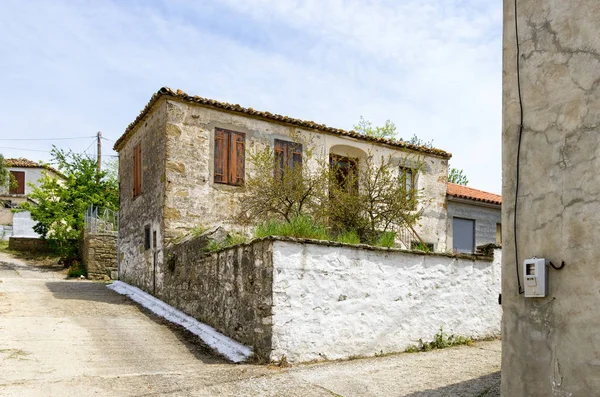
pixel 26 163
pixel 464 192
pixel 165 91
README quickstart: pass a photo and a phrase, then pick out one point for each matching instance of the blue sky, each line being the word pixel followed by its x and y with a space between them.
pixel 72 68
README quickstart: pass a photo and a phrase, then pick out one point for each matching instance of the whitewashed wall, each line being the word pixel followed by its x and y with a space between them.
pixel 338 302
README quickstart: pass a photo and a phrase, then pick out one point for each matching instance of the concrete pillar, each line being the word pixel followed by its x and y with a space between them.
pixel 551 346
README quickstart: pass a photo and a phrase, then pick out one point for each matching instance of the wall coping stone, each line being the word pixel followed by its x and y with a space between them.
pixel 475 256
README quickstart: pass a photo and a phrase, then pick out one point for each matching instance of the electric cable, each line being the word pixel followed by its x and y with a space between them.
pixel 44 139
pixel 562 264
pixel 521 291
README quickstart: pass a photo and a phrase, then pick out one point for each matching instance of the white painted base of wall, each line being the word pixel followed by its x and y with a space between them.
pixel 339 302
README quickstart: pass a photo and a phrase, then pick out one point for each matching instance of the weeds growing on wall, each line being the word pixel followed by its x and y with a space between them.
pixel 300 227
pixel 440 340
pixel 232 240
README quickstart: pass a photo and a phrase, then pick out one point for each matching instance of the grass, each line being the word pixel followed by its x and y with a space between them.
pixel 387 239
pixel 349 237
pixel 299 227
pixel 441 340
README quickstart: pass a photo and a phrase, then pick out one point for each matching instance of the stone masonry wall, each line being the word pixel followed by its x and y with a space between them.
pixel 192 198
pixel 140 265
pixel 230 290
pixel 99 254
pixel 27 244
pixel 551 345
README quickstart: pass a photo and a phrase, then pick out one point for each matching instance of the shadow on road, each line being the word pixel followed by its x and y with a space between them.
pixel 97 292
pixel 484 386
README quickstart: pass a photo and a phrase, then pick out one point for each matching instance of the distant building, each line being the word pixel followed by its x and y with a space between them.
pixel 474 218
pixel 25 174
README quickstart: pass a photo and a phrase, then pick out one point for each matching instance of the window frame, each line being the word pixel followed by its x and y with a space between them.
pixel 229 157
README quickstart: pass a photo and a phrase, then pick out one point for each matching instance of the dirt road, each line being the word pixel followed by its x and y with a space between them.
pixel 78 338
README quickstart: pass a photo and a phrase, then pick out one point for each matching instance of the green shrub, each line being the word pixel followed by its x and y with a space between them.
pixel 386 239
pixel 349 237
pixel 77 269
pixel 299 227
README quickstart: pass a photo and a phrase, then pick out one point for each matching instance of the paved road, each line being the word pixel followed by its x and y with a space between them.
pixel 78 338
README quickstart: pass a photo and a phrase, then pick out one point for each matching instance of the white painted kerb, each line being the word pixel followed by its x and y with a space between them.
pixel 226 346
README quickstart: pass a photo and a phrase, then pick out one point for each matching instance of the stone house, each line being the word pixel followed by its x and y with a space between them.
pixel 474 218
pixel 182 164
pixel 26 174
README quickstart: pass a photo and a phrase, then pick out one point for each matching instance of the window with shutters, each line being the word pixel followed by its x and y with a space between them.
pixel 17 182
pixel 288 155
pixel 230 157
pixel 137 170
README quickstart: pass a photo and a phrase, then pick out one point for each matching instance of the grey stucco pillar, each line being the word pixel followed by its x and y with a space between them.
pixel 551 346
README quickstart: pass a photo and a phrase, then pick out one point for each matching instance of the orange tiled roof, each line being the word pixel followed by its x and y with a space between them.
pixel 165 91
pixel 464 192
pixel 26 163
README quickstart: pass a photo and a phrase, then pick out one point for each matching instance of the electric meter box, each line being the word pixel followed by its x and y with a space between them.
pixel 535 272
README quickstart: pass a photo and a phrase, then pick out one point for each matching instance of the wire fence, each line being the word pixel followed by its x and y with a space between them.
pixel 101 221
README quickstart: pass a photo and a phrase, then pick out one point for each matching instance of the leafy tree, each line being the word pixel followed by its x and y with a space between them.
pixel 384 201
pixel 293 190
pixel 59 205
pixel 457 176
pixel 4 174
pixel 388 130
pixel 365 127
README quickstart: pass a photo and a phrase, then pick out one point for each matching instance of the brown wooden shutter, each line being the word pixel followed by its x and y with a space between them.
pixel 280 157
pixel 237 158
pixel 221 155
pixel 295 155
pixel 137 170
pixel 19 179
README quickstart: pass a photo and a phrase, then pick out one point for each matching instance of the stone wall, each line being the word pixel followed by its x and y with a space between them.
pixel 99 254
pixel 312 300
pixel 551 346
pixel 339 301
pixel 139 264
pixel 230 290
pixel 27 244
pixel 486 218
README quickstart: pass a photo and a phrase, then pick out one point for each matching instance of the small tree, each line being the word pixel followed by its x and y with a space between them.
pixel 457 176
pixel 286 191
pixel 384 201
pixel 4 174
pixel 59 206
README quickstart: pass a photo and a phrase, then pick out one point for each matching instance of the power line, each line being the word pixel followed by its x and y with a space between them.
pixel 31 150
pixel 44 139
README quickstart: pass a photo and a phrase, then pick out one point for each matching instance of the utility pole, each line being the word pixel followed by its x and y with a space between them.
pixel 99 159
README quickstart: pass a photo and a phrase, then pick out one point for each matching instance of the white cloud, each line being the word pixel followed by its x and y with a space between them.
pixel 434 67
